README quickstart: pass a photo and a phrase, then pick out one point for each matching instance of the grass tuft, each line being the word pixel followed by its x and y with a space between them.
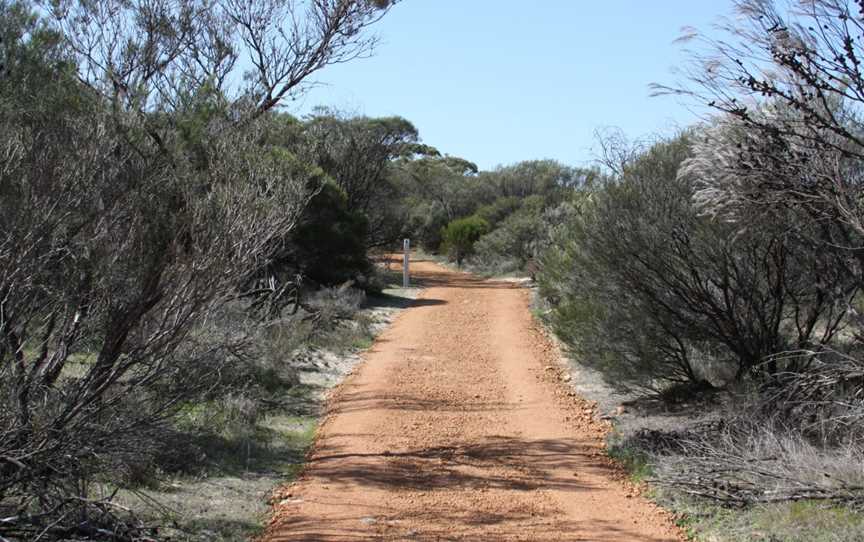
pixel 635 461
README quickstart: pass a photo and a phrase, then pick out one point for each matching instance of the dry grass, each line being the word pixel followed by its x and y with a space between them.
pixel 801 521
pixel 225 499
pixel 747 476
pixel 740 466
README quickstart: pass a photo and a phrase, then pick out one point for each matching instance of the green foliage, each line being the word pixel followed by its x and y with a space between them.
pixel 460 235
pixel 499 209
pixel 358 154
pixel 533 177
pixel 442 189
pixel 796 521
pixel 33 63
pixel 635 460
pixel 330 240
pixel 201 108
pixel 426 222
pixel 513 243
pixel 448 184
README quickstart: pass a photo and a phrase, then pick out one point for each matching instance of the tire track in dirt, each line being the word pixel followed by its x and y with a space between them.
pixel 456 427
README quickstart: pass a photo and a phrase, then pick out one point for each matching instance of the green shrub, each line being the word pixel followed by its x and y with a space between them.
pixel 513 243
pixel 330 241
pixel 499 210
pixel 460 235
pixel 427 222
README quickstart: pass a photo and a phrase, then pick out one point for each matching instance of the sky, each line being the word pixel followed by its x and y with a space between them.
pixel 501 81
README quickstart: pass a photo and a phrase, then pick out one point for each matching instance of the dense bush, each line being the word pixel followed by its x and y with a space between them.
pixel 499 209
pixel 426 222
pixel 358 154
pixel 460 235
pixel 440 190
pixel 513 243
pixel 329 242
pixel 653 293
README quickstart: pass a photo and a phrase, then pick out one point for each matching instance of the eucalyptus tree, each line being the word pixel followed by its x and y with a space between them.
pixel 359 154
pixel 439 189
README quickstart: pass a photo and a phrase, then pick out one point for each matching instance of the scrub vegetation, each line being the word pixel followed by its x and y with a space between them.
pixel 176 249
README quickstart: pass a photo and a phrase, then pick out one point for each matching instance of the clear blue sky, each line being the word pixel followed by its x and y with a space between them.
pixel 499 81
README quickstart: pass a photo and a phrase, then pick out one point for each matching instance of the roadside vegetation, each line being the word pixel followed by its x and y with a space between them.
pixel 164 268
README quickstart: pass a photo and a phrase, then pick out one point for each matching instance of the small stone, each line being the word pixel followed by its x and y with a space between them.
pixel 368 521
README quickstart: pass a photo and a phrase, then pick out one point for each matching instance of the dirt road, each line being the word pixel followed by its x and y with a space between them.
pixel 457 427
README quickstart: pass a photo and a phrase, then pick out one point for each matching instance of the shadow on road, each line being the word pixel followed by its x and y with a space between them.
pixel 434 279
pixel 519 465
pixel 385 300
pixel 359 401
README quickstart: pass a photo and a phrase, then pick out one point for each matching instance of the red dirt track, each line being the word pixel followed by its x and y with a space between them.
pixel 457 427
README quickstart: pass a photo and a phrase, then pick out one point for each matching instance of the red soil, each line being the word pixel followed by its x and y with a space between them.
pixel 458 426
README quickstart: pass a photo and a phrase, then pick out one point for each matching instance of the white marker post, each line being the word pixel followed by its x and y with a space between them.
pixel 406 247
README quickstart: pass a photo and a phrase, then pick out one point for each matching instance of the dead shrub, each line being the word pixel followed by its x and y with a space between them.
pixel 797 438
pixel 739 465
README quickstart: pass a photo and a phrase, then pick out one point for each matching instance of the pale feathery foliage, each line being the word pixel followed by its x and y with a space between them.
pixel 738 170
